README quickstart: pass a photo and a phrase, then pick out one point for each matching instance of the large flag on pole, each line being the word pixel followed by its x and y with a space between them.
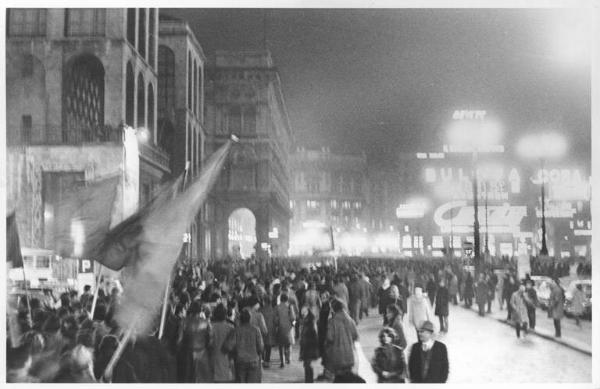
pixel 83 218
pixel 119 247
pixel 13 246
pixel 159 243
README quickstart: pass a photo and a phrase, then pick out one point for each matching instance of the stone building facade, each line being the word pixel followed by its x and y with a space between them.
pixel 181 63
pixel 329 190
pixel 76 78
pixel 244 97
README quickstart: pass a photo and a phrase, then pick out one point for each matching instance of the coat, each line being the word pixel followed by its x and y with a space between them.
pixel 438 364
pixel 556 303
pixel 341 335
pixel 365 293
pixel 284 317
pixel 389 358
pixel 400 339
pixel 246 344
pixel 442 299
pixel 577 302
pixel 220 359
pixel 453 287
pixel 519 308
pixel 309 340
pixel 268 313
pixel 469 292
pixel 481 292
pixel 419 310
pixel 341 292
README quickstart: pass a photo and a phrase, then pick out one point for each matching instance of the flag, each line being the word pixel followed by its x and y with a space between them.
pixel 13 246
pixel 119 247
pixel 83 218
pixel 158 245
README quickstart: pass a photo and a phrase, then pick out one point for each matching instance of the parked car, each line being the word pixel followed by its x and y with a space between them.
pixel 587 301
pixel 541 284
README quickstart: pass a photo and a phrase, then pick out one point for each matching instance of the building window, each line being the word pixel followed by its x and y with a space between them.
pixel 249 120
pixel 313 184
pixel 142 32
pixel 235 120
pixel 85 22
pixel 357 205
pixel 152 38
pixel 27 69
pixel 83 100
pixel 292 204
pixel 312 204
pixel 334 204
pixel 141 102
pixel 346 204
pixel 131 25
pixel 194 88
pixel 26 126
pixel 129 95
pixel 150 121
pixel 166 78
pixel 27 22
pixel 189 81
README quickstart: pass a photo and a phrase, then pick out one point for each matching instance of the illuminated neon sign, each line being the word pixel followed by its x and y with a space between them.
pixel 457 216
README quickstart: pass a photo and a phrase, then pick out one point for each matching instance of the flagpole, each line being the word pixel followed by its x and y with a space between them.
pixel 95 300
pixel 163 315
pixel 117 355
pixel 30 320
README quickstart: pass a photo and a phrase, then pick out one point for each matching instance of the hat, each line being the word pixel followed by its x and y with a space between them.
pixel 427 326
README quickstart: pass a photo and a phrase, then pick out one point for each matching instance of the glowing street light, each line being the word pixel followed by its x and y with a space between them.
pixel 471 132
pixel 542 146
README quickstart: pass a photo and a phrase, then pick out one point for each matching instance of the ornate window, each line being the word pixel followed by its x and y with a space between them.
pixel 85 22
pixel 151 37
pixel 235 119
pixel 141 102
pixel 142 32
pixel 194 88
pixel 83 100
pixel 249 121
pixel 129 95
pixel 166 78
pixel 189 81
pixel 131 25
pixel 150 121
pixel 27 22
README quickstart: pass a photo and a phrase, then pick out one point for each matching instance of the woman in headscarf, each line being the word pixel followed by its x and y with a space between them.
pixel 389 363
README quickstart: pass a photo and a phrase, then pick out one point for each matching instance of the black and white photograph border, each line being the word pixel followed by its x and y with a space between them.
pixel 158 203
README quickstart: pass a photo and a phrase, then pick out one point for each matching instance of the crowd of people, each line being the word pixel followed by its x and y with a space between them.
pixel 225 319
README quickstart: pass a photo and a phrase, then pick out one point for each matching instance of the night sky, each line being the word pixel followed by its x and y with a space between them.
pixel 388 80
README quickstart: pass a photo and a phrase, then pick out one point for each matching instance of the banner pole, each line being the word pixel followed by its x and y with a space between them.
pixel 117 355
pixel 30 319
pixel 95 300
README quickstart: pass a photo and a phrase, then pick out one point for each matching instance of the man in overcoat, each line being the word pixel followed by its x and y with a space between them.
pixel 428 361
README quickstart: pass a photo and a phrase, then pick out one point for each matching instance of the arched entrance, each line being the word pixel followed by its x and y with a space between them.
pixel 242 233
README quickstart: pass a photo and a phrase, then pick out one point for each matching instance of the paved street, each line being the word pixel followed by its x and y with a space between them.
pixel 481 349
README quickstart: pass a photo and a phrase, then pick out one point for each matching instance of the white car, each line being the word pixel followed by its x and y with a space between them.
pixel 541 284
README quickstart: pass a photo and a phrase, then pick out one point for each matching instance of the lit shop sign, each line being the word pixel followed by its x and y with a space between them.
pixel 561 210
pixel 469 149
pixel 456 216
pixel 454 183
pixel 469 115
pixel 410 211
pixel 558 176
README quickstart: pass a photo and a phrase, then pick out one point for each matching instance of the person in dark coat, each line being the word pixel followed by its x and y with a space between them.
pixel 531 301
pixel 481 294
pixel 354 298
pixel 246 343
pixel 509 287
pixel 442 299
pixel 284 322
pixel 270 340
pixel 491 280
pixel 428 361
pixel 341 335
pixel 394 316
pixel 469 293
pixel 389 363
pixel 322 333
pixel 431 288
pixel 309 343
pixel 383 298
pixel 222 364
pixel 365 296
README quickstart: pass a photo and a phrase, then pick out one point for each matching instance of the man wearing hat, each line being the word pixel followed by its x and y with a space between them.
pixel 428 361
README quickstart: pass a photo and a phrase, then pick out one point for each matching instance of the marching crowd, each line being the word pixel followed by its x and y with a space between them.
pixel 225 320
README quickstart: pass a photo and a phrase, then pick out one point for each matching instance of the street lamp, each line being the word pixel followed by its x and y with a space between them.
pixel 472 133
pixel 542 146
